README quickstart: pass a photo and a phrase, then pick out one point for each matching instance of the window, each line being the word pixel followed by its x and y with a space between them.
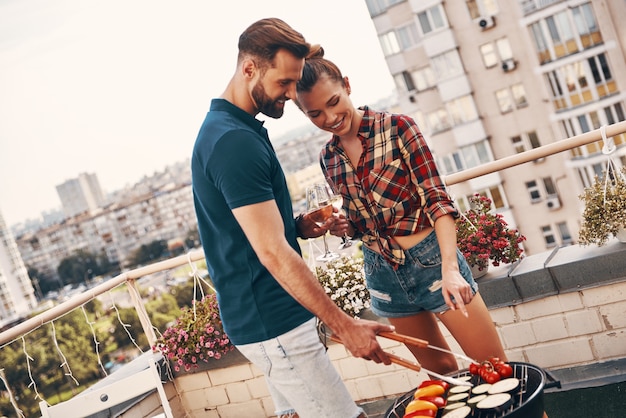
pixel 569 31
pixel 424 78
pixel 525 142
pixel 447 65
pixel 504 49
pixel 431 19
pixel 593 120
pixel 494 193
pixel 495 52
pixel 602 75
pixel 586 25
pixel 438 120
pixel 566 236
pixel 519 95
pixel 407 36
pixel 550 186
pixel 488 52
pixel 505 102
pixel 562 35
pixel 404 81
pixel 533 191
pixel 389 43
pixel 462 110
pixel 479 8
pixel 548 236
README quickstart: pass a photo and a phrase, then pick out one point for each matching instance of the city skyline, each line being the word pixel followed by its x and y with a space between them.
pixel 120 89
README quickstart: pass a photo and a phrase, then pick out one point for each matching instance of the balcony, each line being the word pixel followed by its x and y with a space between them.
pixel 562 310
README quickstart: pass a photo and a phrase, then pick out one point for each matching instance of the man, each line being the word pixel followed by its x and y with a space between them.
pixel 267 295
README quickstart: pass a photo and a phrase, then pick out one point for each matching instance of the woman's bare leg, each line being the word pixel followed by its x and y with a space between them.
pixel 425 326
pixel 477 333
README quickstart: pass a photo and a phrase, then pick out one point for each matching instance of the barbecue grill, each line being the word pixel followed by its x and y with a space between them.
pixel 527 399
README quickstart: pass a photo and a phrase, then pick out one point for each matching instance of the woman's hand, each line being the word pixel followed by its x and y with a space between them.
pixel 340 226
pixel 456 291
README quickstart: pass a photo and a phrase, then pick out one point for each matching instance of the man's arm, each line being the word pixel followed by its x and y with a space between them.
pixel 263 226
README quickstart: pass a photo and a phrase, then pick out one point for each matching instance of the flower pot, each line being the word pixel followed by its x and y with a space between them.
pixel 621 234
pixel 477 273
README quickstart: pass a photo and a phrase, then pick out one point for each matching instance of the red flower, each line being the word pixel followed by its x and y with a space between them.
pixel 483 236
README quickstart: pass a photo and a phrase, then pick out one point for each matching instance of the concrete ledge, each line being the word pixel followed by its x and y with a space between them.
pixel 562 270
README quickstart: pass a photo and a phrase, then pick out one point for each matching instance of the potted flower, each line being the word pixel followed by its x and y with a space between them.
pixel 343 280
pixel 484 237
pixel 196 336
pixel 604 214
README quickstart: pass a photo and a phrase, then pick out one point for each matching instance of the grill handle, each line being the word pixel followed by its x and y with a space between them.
pixel 553 382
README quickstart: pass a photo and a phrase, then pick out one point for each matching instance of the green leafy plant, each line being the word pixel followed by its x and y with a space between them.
pixel 195 337
pixel 343 280
pixel 605 208
pixel 483 236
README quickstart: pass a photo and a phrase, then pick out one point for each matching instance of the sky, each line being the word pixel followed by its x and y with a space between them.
pixel 119 88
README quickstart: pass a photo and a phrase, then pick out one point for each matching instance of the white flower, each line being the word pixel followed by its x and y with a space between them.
pixel 343 281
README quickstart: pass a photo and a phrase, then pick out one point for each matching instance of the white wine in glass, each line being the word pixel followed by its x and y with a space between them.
pixel 336 199
pixel 319 209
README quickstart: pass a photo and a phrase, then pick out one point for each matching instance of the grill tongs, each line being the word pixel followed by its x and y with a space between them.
pixel 413 365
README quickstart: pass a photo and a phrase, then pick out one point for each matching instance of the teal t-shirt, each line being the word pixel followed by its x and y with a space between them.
pixel 233 165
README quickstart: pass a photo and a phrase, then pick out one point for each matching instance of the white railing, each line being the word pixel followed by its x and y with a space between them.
pixel 130 277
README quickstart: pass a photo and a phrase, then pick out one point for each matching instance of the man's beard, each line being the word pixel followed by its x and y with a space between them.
pixel 265 104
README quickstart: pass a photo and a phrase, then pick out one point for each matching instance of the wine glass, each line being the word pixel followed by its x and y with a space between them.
pixel 336 199
pixel 319 209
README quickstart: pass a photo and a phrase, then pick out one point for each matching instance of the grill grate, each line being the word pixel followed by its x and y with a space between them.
pixel 531 387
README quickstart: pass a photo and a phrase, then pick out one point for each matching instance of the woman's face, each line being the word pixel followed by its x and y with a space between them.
pixel 329 107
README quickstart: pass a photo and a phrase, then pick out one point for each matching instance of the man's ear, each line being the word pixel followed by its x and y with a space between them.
pixel 248 68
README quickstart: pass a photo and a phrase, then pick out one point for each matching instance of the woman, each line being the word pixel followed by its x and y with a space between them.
pixel 397 204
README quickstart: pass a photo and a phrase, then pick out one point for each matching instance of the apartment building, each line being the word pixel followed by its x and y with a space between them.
pixel 114 231
pixel 486 79
pixel 80 194
pixel 17 296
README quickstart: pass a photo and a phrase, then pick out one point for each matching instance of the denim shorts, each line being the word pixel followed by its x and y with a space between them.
pixel 300 375
pixel 415 286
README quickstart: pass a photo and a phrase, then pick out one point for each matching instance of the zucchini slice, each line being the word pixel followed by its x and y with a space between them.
pixel 496 402
pixel 462 412
pixel 480 389
pixel 504 385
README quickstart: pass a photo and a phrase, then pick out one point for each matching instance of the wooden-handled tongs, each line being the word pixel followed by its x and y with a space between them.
pixel 415 365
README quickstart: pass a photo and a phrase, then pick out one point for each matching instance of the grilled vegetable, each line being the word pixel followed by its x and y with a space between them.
pixel 431 390
pixel 461 412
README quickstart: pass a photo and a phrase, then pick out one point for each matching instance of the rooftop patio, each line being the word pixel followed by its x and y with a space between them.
pixel 563 310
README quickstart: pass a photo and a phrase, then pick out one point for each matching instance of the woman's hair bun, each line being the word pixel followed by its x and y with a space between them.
pixel 316 51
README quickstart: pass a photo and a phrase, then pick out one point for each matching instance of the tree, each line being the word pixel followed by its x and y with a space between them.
pixel 79 268
pixel 148 253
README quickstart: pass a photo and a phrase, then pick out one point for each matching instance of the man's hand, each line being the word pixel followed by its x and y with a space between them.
pixel 309 229
pixel 360 340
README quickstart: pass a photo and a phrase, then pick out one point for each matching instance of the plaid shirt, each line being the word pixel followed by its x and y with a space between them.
pixel 396 188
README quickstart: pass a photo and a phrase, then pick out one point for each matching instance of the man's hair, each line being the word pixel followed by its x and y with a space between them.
pixel 265 37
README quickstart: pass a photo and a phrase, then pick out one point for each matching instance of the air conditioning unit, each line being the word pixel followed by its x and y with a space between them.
pixel 508 65
pixel 486 22
pixel 553 202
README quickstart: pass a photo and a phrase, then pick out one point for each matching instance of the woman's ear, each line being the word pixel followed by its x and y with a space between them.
pixel 346 84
